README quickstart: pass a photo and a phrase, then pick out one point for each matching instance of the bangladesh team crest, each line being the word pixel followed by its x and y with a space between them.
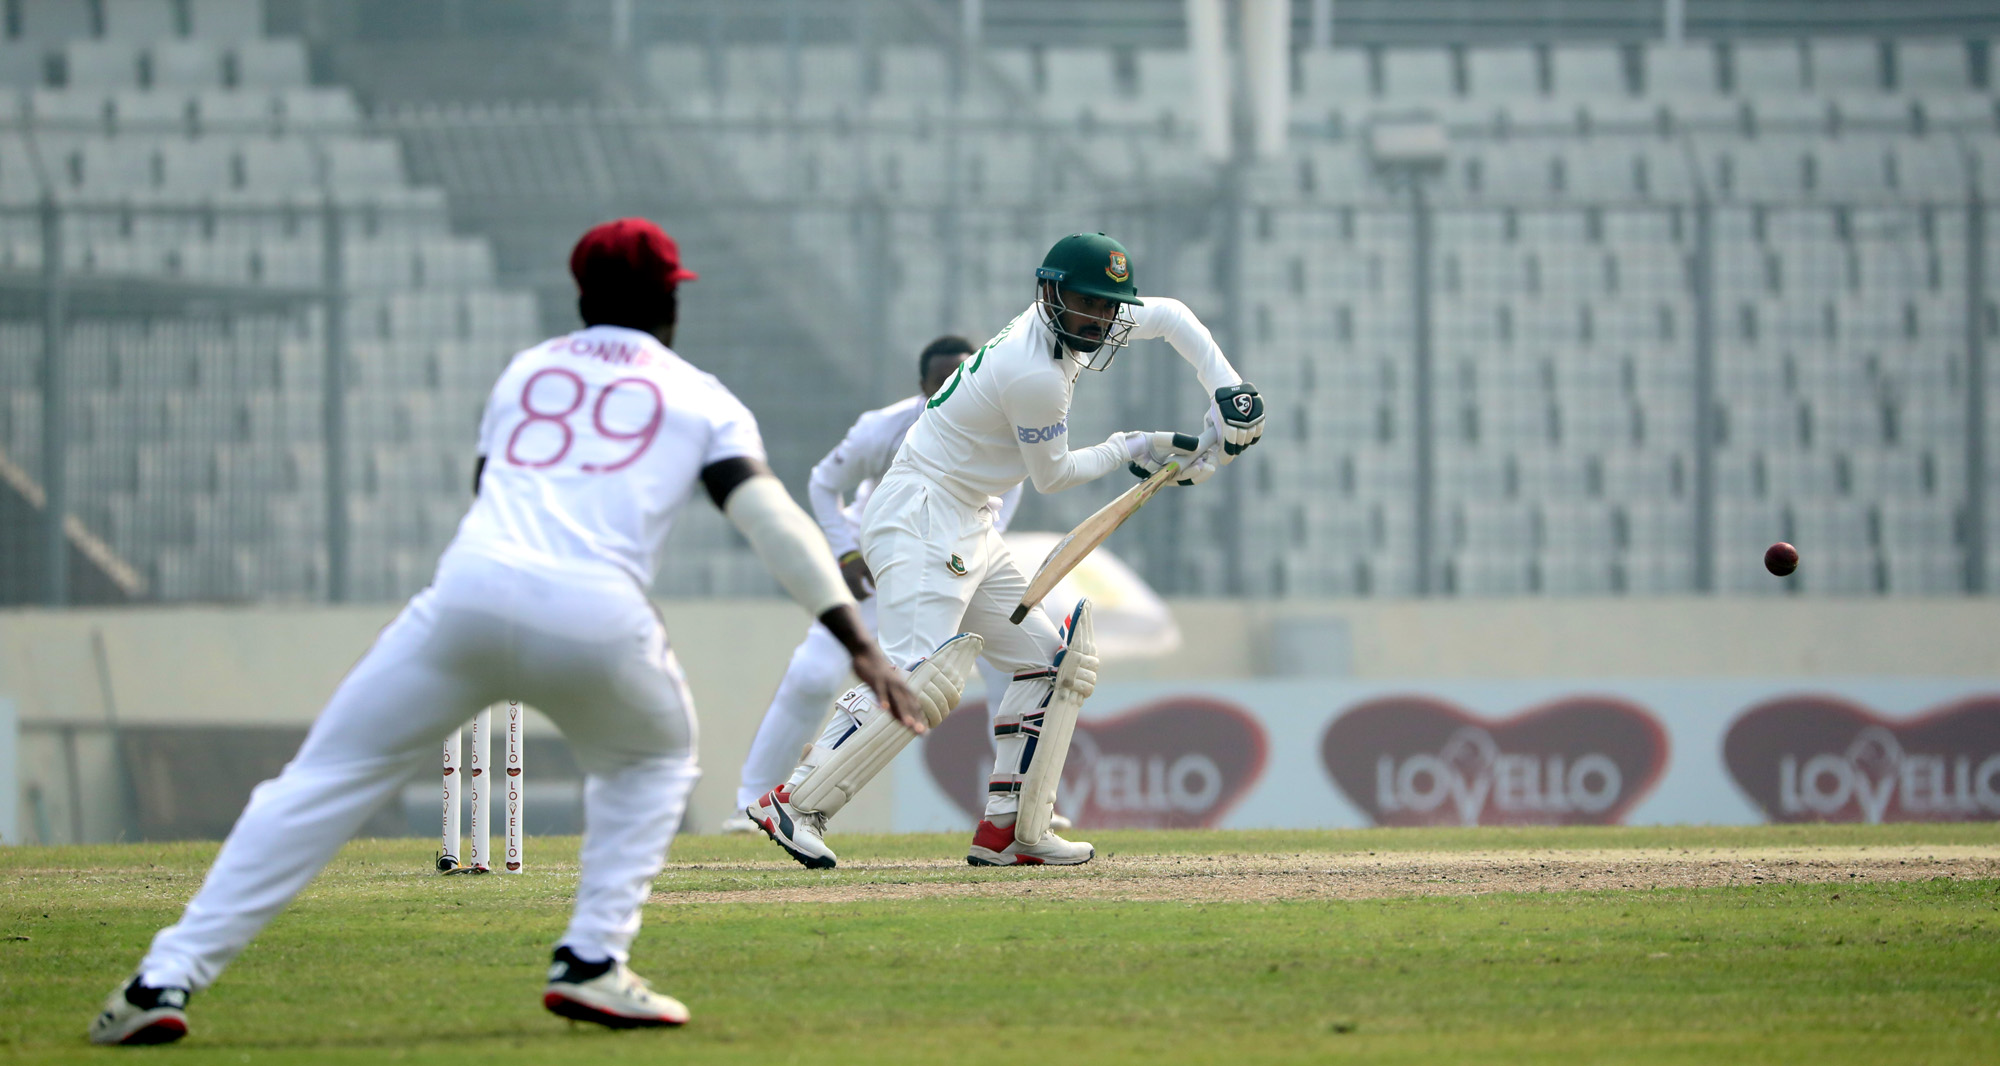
pixel 956 566
pixel 1117 271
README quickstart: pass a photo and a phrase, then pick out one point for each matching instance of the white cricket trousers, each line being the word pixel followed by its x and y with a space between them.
pixel 583 646
pixel 942 569
pixel 819 671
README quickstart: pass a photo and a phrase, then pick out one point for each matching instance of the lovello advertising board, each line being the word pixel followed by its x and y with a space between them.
pixel 1295 754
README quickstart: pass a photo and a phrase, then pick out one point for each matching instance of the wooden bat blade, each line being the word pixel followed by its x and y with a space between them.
pixel 1087 535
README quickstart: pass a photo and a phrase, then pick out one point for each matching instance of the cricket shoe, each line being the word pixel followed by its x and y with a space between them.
pixel 738 824
pixel 994 845
pixel 1057 821
pixel 607 993
pixel 796 831
pixel 138 1014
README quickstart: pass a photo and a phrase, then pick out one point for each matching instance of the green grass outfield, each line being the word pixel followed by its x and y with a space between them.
pixel 382 961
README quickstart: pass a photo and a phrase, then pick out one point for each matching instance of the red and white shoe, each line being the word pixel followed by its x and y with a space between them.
pixel 608 994
pixel 994 845
pixel 798 832
pixel 139 1014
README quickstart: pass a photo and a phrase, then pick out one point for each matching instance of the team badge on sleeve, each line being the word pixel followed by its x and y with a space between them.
pixel 1117 271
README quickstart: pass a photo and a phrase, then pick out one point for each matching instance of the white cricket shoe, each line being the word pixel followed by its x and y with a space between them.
pixel 738 824
pixel 138 1014
pixel 994 845
pixel 1057 821
pixel 798 832
pixel 607 993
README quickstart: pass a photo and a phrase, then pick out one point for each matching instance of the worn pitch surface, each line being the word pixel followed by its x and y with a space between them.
pixel 1368 875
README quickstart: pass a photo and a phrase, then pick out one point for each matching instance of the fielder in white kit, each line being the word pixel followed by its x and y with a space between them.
pixel 838 490
pixel 590 445
pixel 939 566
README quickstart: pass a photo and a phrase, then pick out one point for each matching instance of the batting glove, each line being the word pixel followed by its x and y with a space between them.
pixel 1151 451
pixel 1238 418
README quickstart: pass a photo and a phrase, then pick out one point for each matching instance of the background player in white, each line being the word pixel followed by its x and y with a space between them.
pixel 939 567
pixel 590 445
pixel 838 490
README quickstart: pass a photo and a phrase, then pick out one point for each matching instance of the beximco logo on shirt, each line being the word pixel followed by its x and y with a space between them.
pixel 1031 435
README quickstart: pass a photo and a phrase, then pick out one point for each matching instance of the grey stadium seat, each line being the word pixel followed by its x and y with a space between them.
pixel 21 65
pixel 187 65
pixel 1335 76
pixel 1769 67
pixel 1932 66
pixel 915 72
pixel 149 112
pixel 1079 79
pixel 1684 70
pixel 1584 71
pixel 677 71
pixel 1499 73
pixel 1417 74
pixel 1166 81
pixel 270 64
pixel 356 164
pixel 138 20
pixel 102 64
pixel 829 73
pixel 226 20
pixel 55 21
pixel 1845 65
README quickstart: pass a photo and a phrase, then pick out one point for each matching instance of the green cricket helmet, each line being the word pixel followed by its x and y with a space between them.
pixel 1088 264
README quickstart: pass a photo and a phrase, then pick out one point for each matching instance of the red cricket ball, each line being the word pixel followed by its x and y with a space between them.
pixel 1781 558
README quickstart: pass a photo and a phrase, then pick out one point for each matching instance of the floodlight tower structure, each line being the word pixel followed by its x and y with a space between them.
pixel 1242 101
pixel 1407 154
pixel 1264 47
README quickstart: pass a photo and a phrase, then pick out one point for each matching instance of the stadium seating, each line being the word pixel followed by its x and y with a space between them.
pixel 1832 174
pixel 1825 183
pixel 187 147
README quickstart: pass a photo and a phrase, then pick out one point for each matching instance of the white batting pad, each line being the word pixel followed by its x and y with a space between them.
pixel 938 682
pixel 1076 679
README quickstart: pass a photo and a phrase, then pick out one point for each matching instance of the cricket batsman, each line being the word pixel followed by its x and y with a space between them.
pixel 940 567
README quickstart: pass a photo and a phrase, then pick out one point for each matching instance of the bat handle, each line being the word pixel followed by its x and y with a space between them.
pixel 1021 613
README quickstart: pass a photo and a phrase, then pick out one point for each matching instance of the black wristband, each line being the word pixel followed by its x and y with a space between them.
pixel 844 622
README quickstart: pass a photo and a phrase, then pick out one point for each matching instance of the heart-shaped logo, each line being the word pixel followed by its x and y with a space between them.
pixel 1823 758
pixel 1417 760
pixel 1175 763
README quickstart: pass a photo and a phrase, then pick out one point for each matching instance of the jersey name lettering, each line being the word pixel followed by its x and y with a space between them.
pixel 615 352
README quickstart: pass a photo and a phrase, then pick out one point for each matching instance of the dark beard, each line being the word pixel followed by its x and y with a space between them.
pixel 1079 345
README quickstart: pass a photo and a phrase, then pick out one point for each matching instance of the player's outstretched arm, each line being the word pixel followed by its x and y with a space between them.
pixel 795 552
pixel 1236 410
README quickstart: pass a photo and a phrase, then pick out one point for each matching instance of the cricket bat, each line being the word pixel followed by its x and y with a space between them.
pixel 1092 531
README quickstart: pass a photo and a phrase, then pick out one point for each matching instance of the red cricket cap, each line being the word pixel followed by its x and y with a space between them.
pixel 629 254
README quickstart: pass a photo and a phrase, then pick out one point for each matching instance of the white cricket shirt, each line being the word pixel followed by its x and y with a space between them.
pixel 1004 415
pixel 593 443
pixel 853 467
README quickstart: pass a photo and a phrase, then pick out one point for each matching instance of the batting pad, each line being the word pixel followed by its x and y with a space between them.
pixel 938 681
pixel 1076 679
